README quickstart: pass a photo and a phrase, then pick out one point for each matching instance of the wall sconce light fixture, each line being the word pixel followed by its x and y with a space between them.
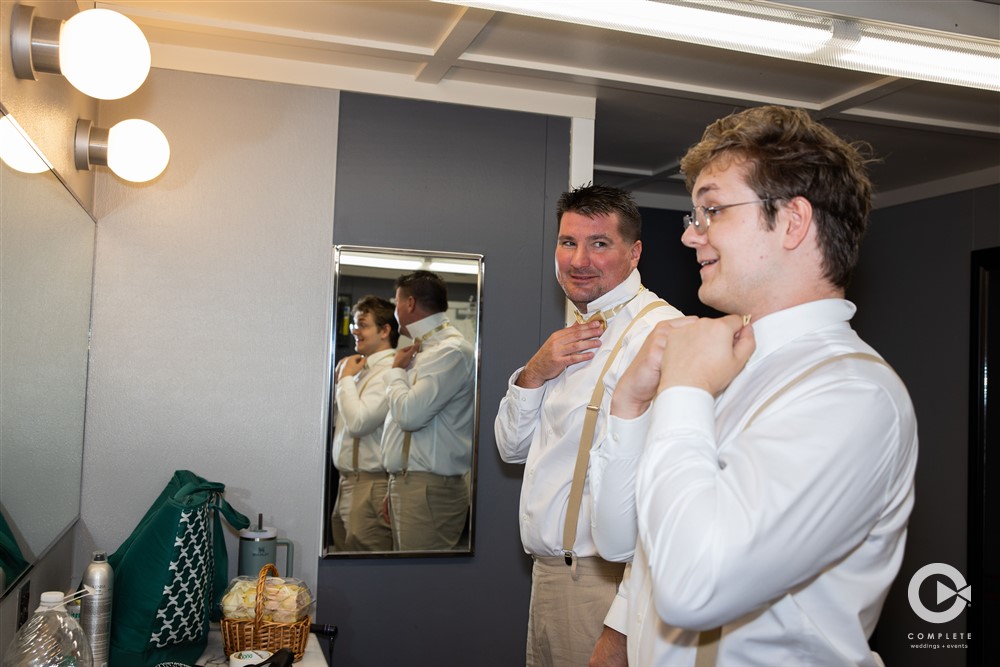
pixel 134 149
pixel 101 52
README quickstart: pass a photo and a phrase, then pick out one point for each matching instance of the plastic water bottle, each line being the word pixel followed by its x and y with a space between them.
pixel 50 638
pixel 95 610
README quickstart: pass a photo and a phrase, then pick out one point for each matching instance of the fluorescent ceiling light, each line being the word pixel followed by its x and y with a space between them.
pixel 788 32
pixel 770 29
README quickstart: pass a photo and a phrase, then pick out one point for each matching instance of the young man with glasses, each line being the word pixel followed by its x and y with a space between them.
pixel 361 406
pixel 760 466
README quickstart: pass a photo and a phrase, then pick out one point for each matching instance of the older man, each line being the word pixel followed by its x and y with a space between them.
pixel 554 411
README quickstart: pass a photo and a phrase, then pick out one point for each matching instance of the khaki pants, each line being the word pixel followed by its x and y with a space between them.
pixel 367 530
pixel 339 516
pixel 566 616
pixel 428 511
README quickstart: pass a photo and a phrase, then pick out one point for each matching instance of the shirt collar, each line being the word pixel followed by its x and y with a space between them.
pixel 373 359
pixel 624 291
pixel 775 330
pixel 426 325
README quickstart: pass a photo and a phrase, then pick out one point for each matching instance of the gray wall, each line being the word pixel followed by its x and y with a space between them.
pixel 912 289
pixel 211 297
pixel 441 177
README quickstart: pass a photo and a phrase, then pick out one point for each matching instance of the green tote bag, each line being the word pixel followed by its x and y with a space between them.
pixel 170 575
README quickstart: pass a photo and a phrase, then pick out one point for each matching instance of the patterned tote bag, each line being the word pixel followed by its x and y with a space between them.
pixel 170 575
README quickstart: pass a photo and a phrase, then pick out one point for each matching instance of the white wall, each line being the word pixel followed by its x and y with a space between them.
pixel 210 317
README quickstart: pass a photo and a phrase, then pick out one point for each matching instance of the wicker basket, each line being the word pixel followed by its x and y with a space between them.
pixel 259 634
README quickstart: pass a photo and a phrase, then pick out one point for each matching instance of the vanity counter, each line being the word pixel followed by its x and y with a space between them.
pixel 215 656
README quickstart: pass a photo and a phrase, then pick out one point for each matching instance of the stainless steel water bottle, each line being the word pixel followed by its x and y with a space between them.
pixel 95 609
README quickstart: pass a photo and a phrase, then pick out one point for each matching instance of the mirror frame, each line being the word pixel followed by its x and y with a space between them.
pixel 425 257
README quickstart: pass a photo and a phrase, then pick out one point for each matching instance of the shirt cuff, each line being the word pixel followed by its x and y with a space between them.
pixel 617 616
pixel 626 438
pixel 687 408
pixel 525 399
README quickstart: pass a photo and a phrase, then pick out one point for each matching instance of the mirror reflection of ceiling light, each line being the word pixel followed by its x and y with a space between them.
pixel 17 150
pixel 380 261
pixel 469 268
pixel 770 29
pixel 101 52
pixel 408 263
pixel 134 149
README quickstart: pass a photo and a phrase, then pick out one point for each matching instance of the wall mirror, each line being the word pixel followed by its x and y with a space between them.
pixel 358 272
pixel 46 272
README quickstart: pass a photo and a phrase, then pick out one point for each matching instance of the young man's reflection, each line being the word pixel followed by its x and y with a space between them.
pixel 361 407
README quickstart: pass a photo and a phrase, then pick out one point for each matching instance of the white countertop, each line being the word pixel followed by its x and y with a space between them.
pixel 215 656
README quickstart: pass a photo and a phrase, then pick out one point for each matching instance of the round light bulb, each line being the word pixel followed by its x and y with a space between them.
pixel 103 54
pixel 137 150
pixel 17 150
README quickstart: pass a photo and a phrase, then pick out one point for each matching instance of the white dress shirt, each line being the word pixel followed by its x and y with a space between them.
pixel 788 533
pixel 433 399
pixel 360 414
pixel 542 427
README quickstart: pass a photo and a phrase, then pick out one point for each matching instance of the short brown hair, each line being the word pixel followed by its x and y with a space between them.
pixel 382 311
pixel 429 290
pixel 592 200
pixel 788 154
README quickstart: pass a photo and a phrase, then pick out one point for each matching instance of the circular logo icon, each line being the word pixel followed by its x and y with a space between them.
pixel 959 590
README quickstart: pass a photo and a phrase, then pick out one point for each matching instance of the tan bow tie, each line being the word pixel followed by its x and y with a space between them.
pixel 603 316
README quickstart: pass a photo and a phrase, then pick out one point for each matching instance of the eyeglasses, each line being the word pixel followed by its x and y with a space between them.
pixel 700 217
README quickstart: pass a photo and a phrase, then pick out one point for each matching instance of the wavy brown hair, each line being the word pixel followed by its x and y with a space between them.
pixel 788 154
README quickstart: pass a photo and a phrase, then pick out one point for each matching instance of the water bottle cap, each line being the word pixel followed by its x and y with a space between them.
pixel 51 600
pixel 263 533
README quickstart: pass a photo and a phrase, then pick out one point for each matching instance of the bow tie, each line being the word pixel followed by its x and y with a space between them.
pixel 603 316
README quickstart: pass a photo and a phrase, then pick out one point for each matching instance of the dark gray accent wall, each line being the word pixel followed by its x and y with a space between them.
pixel 912 289
pixel 415 174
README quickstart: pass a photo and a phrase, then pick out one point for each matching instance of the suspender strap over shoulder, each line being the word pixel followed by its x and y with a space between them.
pixel 587 441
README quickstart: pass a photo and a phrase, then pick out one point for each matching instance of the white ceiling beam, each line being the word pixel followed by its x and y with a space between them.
pixel 269 34
pixel 862 95
pixel 322 75
pixel 456 40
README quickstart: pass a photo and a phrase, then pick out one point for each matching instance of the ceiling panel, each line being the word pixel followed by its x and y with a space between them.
pixel 653 97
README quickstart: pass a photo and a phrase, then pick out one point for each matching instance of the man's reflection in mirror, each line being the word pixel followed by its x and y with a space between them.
pixel 427 440
pixel 361 406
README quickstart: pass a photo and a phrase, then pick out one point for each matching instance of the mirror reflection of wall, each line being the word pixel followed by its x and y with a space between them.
pixel 364 462
pixel 46 269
